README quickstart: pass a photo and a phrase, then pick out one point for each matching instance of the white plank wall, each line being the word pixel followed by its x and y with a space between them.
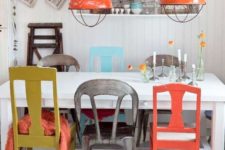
pixel 139 36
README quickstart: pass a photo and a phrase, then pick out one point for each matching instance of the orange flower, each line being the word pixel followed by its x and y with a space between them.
pixel 202 35
pixel 130 67
pixel 143 67
pixel 203 44
pixel 171 43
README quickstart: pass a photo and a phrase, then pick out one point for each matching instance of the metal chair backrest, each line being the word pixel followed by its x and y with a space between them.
pixel 176 124
pixel 106 56
pixel 33 77
pixel 111 87
pixel 168 60
pixel 59 60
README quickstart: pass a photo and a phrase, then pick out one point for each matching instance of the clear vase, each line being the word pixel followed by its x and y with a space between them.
pixel 146 75
pixel 172 74
pixel 200 67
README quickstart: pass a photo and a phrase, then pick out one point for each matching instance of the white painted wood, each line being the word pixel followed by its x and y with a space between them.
pixel 176 136
pixel 138 34
pixel 4 40
pixel 3 57
pixel 6 120
pixel 213 98
pixel 218 129
pixel 3 15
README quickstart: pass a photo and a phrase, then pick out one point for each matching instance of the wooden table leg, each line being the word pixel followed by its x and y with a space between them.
pixel 218 126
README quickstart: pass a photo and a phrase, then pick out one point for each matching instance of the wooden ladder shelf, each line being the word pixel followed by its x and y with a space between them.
pixel 33 47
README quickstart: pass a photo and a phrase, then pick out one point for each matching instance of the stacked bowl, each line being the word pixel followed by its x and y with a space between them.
pixel 136 7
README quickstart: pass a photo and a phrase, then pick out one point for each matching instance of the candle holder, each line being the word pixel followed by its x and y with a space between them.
pixel 163 73
pixel 185 76
pixel 154 77
pixel 179 79
pixel 193 82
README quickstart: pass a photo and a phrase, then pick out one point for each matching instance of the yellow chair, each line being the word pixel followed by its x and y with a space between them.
pixel 33 77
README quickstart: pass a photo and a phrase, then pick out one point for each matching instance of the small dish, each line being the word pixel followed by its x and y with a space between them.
pixel 136 10
pixel 126 6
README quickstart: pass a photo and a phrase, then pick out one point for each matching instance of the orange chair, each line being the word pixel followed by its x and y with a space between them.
pixel 175 135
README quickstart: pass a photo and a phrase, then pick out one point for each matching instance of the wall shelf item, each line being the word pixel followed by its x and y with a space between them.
pixel 57 4
pixel 29 3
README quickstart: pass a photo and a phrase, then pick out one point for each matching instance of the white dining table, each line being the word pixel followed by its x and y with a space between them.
pixel 213 98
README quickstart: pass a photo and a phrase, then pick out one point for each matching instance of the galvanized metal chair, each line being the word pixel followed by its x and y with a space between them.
pixel 168 60
pixel 66 61
pixel 107 131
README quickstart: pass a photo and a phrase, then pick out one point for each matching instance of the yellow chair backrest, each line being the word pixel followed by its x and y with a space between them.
pixel 33 77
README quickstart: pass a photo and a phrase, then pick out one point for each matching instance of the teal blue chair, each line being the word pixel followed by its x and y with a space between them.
pixel 106 56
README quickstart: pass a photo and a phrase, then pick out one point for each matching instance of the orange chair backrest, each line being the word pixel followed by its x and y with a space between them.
pixel 176 123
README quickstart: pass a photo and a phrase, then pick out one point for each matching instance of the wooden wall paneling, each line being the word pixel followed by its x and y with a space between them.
pixel 139 36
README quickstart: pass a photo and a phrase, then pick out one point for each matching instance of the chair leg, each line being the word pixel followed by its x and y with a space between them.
pixel 85 143
pixel 209 140
pixel 140 122
pixel 73 114
pixel 145 124
pixel 129 143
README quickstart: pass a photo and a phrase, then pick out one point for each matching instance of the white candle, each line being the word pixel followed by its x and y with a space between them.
pixel 193 66
pixel 179 55
pixel 154 57
pixel 185 57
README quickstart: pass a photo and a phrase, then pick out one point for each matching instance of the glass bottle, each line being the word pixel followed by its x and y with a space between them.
pixel 193 82
pixel 200 67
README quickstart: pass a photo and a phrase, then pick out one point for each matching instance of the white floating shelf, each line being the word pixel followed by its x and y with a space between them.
pixel 135 15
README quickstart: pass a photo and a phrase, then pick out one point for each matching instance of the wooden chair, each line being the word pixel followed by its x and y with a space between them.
pixel 175 135
pixel 144 114
pixel 100 131
pixel 33 77
pixel 66 61
pixel 106 56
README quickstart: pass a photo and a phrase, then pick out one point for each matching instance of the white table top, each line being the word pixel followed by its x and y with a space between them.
pixel 212 88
